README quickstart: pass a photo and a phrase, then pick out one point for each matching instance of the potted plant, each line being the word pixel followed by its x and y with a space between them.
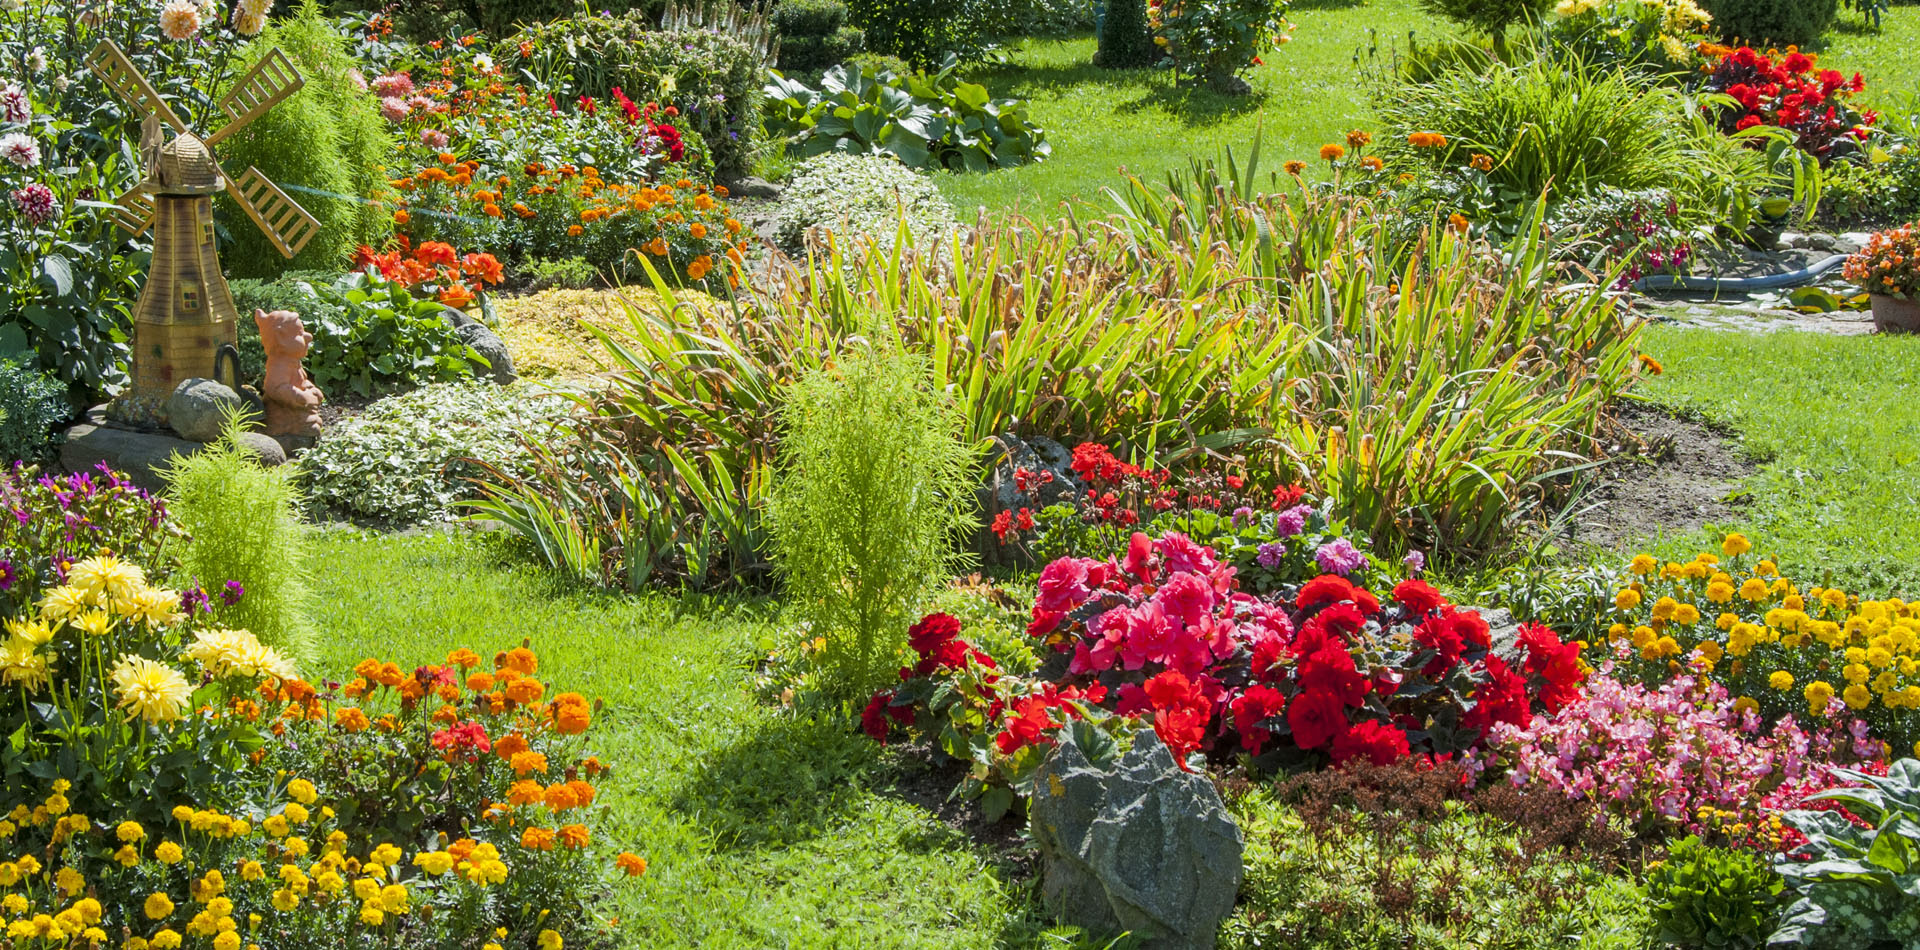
pixel 1888 268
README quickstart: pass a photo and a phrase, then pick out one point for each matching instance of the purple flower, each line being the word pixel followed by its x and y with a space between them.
pixel 1339 557
pixel 1242 515
pixel 1291 521
pixel 1270 554
pixel 232 593
pixel 193 600
pixel 1415 561
pixel 6 574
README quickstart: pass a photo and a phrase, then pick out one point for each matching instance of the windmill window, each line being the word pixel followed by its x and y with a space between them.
pixel 190 298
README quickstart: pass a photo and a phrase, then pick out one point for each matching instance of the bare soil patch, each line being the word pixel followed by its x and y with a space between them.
pixel 1665 474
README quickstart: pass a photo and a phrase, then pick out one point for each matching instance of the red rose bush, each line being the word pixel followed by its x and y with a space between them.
pixel 1164 637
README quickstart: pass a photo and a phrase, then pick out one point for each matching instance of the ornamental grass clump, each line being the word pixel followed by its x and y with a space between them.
pixel 244 539
pixel 873 490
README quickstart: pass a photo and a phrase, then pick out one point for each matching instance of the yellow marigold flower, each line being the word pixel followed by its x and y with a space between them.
pixel 1766 569
pixel 168 853
pixel 1627 599
pixel 1735 545
pixel 1664 607
pixel 1711 650
pixel 302 791
pixel 69 881
pixel 1857 696
pixel 127 856
pixel 227 940
pixel 372 915
pixel 165 940
pixel 1754 589
pixel 1719 592
pixel 285 899
pixel 365 888
pixel 550 940
pixel 1818 693
pixel 393 898
pixel 129 832
pixel 435 863
pixel 1686 614
pixel 1856 672
pixel 252 871
pixel 277 826
pixel 1781 680
pixel 1726 621
pixel 1643 564
pixel 1745 704
pixel 157 906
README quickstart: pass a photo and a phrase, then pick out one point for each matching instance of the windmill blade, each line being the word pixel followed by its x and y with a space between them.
pixel 271 80
pixel 113 67
pixel 134 211
pixel 279 217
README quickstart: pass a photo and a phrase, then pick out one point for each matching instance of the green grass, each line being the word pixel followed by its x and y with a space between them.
pixel 1833 424
pixel 761 831
pixel 1306 94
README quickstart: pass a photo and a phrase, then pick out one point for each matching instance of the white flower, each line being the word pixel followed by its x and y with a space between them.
pixel 257 8
pixel 248 24
pixel 180 20
pixel 37 60
pixel 63 83
pixel 20 149
pixel 14 106
pixel 483 63
pixel 12 6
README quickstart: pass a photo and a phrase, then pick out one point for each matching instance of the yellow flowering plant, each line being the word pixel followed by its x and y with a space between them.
pixel 123 688
pixel 1780 648
pixel 1654 36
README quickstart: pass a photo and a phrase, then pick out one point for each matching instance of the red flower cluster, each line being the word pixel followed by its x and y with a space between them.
pixel 1788 92
pixel 435 265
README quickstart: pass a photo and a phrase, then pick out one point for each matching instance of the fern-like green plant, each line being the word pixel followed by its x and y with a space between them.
pixel 873 489
pixel 242 526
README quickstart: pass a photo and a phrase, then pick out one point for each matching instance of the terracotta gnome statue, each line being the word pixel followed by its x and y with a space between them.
pixel 293 401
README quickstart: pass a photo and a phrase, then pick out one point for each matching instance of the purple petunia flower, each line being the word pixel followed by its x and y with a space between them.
pixel 1270 554
pixel 1339 557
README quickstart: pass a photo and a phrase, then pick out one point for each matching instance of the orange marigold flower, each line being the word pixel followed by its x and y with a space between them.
pixel 537 839
pixel 1653 366
pixel 698 230
pixel 1332 152
pixel 525 691
pixel 401 217
pixel 480 682
pixel 368 668
pixel 1372 163
pixel 1295 167
pixel 519 660
pixel 592 766
pixel 525 792
pixel 733 226
pixel 559 798
pixel 574 230
pixel 411 691
pixel 571 720
pixel 1482 162
pixel 524 762
pixel 657 247
pixel 1359 138
pixel 355 688
pixel 351 719
pixel 492 211
pixel 447 715
pixel 632 865
pixel 574 836
pixel 1458 222
pixel 447 158
pixel 513 744
pixel 463 658
pixel 583 792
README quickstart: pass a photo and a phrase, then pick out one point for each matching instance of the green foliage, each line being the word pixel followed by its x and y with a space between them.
pixel 872 492
pixel 1882 191
pixel 566 273
pixel 31 404
pixel 924 119
pixel 408 458
pixel 1125 40
pixel 713 78
pixel 343 147
pixel 1490 17
pixel 1853 886
pixel 289 291
pixel 924 32
pixel 1213 41
pixel 371 336
pixel 242 525
pixel 1656 37
pixel 814 34
pixel 860 195
pixel 1772 22
pixel 1716 898
pixel 1388 873
pixel 878 63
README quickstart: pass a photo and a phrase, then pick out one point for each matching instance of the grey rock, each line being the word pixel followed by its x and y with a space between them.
pixel 198 408
pixel 1141 846
pixel 143 456
pixel 1502 629
pixel 499 365
pixel 264 449
pixel 751 187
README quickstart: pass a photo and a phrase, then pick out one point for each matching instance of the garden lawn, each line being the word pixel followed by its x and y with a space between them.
pixel 1834 426
pixel 761 831
pixel 1306 94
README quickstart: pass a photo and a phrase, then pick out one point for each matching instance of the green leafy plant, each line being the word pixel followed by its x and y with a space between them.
pixel 815 34
pixel 1492 18
pixel 1125 40
pixel 244 531
pixel 1853 884
pixel 372 336
pixel 410 458
pixel 926 119
pixel 1213 41
pixel 1778 22
pixel 1715 898
pixel 860 195
pixel 1657 37
pixel 31 404
pixel 872 491
pixel 924 32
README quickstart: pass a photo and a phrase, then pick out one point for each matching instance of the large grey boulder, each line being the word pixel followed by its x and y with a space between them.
pixel 198 408
pixel 485 342
pixel 1141 847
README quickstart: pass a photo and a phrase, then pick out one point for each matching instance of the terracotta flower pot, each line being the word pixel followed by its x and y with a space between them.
pixel 1895 314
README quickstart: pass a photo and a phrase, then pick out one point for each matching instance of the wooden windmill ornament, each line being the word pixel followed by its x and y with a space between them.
pixel 186 314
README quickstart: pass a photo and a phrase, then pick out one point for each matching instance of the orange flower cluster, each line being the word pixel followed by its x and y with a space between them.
pixel 458 279
pixel 1427 140
pixel 1889 264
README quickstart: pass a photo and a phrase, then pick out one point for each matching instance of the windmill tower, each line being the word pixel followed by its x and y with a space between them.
pixel 186 313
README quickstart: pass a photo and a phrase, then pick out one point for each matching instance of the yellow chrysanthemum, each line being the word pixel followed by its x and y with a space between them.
pixel 151 690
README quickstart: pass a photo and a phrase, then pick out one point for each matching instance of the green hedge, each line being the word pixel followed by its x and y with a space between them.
pixel 1772 22
pixel 715 79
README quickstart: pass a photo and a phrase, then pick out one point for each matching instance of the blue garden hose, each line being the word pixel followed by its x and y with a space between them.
pixel 1744 285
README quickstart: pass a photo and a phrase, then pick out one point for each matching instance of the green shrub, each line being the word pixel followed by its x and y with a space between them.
pixel 242 526
pixel 1125 40
pixel 282 293
pixel 343 147
pixel 1491 18
pixel 856 195
pixel 878 63
pixel 1772 22
pixel 1213 41
pixel 713 78
pixel 567 273
pixel 1875 194
pixel 408 458
pixel 371 336
pixel 815 34
pixel 1712 898
pixel 924 119
pixel 31 404
pixel 924 32
pixel 873 489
